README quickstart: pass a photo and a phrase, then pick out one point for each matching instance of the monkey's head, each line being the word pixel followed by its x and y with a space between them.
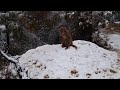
pixel 63 30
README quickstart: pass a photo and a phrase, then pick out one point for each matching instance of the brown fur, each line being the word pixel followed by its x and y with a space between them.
pixel 66 38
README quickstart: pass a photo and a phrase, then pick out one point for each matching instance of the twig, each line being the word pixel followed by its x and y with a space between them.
pixel 8 58
pixel 12 60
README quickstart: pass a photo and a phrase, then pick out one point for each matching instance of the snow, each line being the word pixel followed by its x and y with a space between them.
pixel 106 23
pixel 118 22
pixel 54 62
pixel 12 68
pixel 107 12
pixel 9 58
pixel 2 27
pixel 114 40
pixel 62 14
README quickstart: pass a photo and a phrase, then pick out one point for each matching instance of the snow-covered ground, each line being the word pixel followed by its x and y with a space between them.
pixel 54 62
pixel 114 40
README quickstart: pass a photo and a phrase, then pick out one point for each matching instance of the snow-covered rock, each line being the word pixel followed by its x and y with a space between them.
pixel 54 62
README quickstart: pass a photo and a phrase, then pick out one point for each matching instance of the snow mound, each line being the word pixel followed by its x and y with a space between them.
pixel 54 62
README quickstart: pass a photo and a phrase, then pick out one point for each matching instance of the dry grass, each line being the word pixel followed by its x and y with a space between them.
pixel 113 28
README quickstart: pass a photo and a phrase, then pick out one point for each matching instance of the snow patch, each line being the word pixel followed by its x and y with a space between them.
pixel 2 27
pixel 53 62
pixel 114 40
pixel 107 12
pixel 118 22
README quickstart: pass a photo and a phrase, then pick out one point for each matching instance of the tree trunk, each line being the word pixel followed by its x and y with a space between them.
pixel 7 39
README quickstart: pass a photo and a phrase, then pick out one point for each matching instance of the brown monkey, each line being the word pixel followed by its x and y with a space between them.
pixel 66 38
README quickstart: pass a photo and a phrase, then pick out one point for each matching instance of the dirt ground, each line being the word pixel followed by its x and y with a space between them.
pixel 112 29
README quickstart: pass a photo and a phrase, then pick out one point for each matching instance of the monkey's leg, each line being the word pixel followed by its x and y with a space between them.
pixel 66 47
pixel 63 45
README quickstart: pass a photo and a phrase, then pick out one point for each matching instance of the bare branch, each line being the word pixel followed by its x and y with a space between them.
pixel 19 69
pixel 9 58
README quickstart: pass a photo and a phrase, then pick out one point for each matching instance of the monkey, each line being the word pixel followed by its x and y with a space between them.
pixel 66 38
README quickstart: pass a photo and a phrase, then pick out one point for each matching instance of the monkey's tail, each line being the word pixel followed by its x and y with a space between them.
pixel 74 46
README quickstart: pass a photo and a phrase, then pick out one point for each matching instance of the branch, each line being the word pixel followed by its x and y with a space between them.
pixel 19 69
pixel 7 57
